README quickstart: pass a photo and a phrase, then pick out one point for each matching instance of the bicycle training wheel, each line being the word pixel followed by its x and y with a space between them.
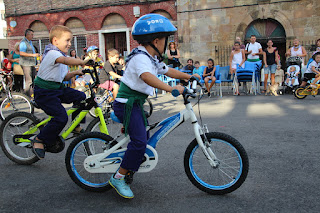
pixel 76 154
pixel 232 164
pixel 297 93
pixel 17 124
pixel 19 102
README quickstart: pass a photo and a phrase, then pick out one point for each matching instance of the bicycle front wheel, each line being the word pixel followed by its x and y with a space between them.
pixel 76 154
pixel 17 124
pixel 231 169
pixel 18 102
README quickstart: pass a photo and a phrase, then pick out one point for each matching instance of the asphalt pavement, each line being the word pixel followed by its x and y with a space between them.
pixel 280 135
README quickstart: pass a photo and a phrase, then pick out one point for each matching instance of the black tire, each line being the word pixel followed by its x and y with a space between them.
pixel 11 127
pixel 77 152
pixel 148 108
pixel 20 102
pixel 297 93
pixel 225 148
pixel 113 127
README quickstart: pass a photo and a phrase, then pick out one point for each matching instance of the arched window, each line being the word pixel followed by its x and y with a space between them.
pixel 113 21
pixel 164 13
pixel 79 40
pixel 265 29
pixel 41 34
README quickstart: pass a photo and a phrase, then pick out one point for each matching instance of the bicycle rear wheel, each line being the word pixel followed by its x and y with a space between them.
pixel 297 93
pixel 232 164
pixel 18 102
pixel 17 124
pixel 76 155
pixel 148 108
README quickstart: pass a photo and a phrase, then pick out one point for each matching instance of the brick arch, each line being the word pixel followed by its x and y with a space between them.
pixel 169 8
pixel 64 17
pixel 37 21
pixel 29 20
pixel 103 20
pixel 116 10
pixel 273 14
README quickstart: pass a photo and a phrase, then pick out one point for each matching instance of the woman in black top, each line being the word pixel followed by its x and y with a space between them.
pixel 173 55
pixel 271 61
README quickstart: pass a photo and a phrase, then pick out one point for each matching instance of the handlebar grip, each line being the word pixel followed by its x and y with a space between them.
pixel 86 71
pixel 175 93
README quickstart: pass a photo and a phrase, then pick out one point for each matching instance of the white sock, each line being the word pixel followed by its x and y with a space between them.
pixel 118 175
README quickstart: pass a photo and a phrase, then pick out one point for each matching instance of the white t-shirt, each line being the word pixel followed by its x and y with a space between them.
pixel 255 49
pixel 139 64
pixel 50 70
pixel 313 64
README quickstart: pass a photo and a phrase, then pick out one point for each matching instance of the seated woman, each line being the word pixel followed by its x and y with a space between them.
pixel 208 74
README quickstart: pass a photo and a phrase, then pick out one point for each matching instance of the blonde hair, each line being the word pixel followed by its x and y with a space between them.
pixel 112 52
pixel 57 31
pixel 16 46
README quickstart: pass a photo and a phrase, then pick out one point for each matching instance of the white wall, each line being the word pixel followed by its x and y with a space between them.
pixel 3 23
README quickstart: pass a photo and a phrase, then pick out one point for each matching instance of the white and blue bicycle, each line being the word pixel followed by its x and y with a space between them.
pixel 214 162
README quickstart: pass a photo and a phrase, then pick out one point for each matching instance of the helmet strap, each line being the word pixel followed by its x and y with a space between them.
pixel 156 49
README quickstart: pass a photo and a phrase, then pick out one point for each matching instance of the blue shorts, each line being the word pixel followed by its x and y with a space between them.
pixel 270 69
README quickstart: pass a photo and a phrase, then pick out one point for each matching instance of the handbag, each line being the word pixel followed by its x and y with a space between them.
pixel 17 69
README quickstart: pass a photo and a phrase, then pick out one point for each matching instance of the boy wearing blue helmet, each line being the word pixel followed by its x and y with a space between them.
pixel 140 77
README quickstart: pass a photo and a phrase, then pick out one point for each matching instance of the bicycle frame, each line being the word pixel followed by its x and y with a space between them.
pixel 109 160
pixel 75 122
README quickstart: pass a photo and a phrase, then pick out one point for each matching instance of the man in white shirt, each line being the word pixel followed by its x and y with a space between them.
pixel 253 49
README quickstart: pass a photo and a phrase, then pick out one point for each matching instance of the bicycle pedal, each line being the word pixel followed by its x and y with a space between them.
pixel 129 177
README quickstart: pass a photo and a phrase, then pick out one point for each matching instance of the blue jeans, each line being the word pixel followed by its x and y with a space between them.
pixel 138 136
pixel 270 69
pixel 50 101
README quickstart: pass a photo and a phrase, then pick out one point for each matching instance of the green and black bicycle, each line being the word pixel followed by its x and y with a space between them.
pixel 19 128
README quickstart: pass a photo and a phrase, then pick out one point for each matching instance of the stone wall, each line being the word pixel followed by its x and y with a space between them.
pixel 206 23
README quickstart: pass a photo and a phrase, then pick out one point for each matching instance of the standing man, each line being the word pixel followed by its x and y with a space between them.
pixel 28 59
pixel 253 49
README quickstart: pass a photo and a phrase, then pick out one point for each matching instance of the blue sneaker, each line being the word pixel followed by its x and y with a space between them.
pixel 121 187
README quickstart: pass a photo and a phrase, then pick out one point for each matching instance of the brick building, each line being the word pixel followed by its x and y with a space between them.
pixel 103 23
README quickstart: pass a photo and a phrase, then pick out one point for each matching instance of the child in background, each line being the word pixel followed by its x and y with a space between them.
pixel 197 71
pixel 292 76
pixel 208 74
pixel 49 90
pixel 7 68
pixel 73 67
pixel 93 53
pixel 312 71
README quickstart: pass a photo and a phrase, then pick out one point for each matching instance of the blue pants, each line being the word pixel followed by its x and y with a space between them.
pixel 50 101
pixel 138 136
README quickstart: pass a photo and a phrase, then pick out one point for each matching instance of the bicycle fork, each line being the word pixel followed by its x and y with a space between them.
pixel 205 146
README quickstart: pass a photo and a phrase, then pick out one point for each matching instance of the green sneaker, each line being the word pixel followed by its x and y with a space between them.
pixel 122 188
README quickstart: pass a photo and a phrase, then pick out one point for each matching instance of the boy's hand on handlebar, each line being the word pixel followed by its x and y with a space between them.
pixel 179 88
pixel 88 61
pixel 78 72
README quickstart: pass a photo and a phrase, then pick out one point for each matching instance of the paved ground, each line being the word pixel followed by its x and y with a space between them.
pixel 280 135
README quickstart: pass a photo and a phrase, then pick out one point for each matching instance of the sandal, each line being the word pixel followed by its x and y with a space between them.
pixel 40 153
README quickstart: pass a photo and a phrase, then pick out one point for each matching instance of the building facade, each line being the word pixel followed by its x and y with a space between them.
pixel 102 23
pixel 208 28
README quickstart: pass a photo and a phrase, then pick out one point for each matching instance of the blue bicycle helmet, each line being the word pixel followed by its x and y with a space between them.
pixel 152 26
pixel 91 48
